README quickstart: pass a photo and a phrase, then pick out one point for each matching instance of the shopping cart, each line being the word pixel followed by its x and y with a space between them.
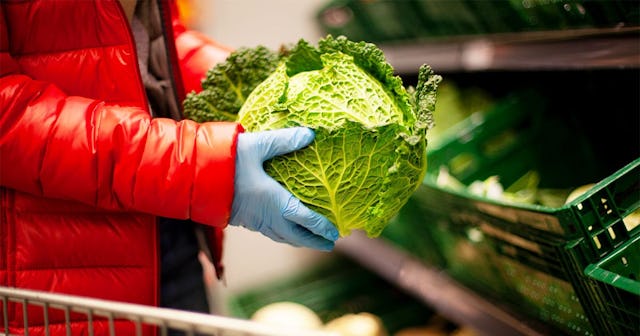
pixel 143 317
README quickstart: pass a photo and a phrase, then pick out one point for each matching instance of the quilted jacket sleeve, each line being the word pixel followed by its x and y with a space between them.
pixel 112 157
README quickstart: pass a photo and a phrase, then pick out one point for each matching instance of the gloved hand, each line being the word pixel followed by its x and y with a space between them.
pixel 261 204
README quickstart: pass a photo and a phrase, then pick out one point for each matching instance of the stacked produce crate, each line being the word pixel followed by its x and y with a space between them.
pixel 571 265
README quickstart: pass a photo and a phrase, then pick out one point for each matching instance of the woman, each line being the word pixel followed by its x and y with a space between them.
pixel 100 179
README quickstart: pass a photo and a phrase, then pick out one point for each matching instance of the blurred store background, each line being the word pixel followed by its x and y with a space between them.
pixel 539 98
pixel 238 23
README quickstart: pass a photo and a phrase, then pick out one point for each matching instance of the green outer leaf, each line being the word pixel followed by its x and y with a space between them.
pixel 425 97
pixel 200 107
pixel 228 84
pixel 303 57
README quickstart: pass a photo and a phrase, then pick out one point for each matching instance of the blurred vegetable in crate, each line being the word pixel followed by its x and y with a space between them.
pixel 455 104
pixel 360 324
pixel 288 314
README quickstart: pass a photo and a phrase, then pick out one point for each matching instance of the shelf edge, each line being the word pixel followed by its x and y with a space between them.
pixel 435 288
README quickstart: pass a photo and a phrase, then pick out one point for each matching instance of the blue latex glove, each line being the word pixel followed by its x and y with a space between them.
pixel 261 204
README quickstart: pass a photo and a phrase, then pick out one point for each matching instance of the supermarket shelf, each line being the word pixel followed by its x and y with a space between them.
pixel 454 301
pixel 554 50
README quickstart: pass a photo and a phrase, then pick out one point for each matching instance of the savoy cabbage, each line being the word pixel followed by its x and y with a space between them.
pixel 368 155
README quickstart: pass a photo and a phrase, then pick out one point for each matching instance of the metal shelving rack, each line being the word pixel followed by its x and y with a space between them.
pixel 582 49
pixel 554 50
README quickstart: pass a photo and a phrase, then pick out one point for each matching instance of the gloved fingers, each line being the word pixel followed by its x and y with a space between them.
pixel 314 222
pixel 274 236
pixel 296 235
pixel 299 236
pixel 267 232
pixel 285 140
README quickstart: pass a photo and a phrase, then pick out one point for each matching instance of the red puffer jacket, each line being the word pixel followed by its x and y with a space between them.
pixel 84 168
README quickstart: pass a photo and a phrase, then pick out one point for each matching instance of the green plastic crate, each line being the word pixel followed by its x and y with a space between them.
pixel 538 274
pixel 334 288
pixel 560 265
pixel 405 232
pixel 504 262
pixel 613 286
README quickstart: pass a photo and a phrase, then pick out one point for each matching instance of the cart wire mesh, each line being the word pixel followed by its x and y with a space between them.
pixel 166 321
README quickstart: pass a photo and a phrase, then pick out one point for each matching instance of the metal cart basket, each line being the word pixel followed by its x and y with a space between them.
pixel 143 317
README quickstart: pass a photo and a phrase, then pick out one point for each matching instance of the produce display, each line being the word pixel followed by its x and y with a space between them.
pixel 456 103
pixel 360 324
pixel 336 289
pixel 288 314
pixel 525 190
pixel 369 153
pixel 295 315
